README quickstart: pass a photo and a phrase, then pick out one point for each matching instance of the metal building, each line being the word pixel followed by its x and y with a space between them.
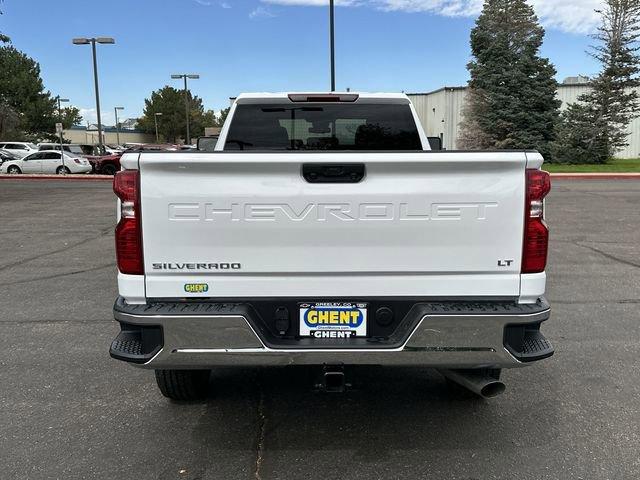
pixel 440 112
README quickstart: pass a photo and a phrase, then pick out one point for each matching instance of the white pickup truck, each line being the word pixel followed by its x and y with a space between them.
pixel 324 231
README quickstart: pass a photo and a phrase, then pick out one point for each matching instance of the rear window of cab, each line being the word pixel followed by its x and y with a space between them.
pixel 320 126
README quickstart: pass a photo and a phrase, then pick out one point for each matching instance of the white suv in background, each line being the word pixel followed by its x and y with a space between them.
pixel 47 162
pixel 72 149
pixel 21 149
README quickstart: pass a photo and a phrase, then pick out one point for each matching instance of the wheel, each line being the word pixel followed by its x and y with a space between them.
pixel 109 169
pixel 63 170
pixel 183 385
pixel 13 170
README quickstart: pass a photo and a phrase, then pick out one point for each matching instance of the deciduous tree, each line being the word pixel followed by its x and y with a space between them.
pixel 222 116
pixel 22 93
pixel 9 122
pixel 172 123
pixel 70 117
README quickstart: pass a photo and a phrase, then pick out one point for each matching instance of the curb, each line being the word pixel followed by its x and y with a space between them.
pixel 70 177
pixel 596 176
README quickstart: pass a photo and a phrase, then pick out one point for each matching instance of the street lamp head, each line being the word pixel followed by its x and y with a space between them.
pixel 81 41
pixel 105 40
pixel 119 108
pixel 176 76
pixel 158 114
pixel 194 76
pixel 63 99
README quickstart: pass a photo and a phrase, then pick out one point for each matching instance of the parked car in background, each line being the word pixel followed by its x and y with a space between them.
pixel 106 164
pixel 20 149
pixel 153 147
pixel 72 148
pixel 89 149
pixel 5 156
pixel 47 161
pixel 94 150
pixel 114 149
pixel 130 145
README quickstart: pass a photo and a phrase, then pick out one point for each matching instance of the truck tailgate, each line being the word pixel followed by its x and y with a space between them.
pixel 444 224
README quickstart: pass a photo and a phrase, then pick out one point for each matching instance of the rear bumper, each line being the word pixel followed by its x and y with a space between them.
pixel 179 335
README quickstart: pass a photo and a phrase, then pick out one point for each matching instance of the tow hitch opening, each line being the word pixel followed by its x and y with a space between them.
pixel 332 379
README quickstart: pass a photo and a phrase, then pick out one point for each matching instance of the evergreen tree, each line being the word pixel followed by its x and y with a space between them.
pixel 209 119
pixel 511 101
pixel 595 128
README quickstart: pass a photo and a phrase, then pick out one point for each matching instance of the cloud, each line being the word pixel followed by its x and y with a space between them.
pixel 225 5
pixel 577 16
pixel 89 115
pixel 449 8
pixel 261 12
pixel 204 3
pixel 319 3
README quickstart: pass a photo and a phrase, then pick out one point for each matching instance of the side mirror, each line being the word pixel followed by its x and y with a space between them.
pixel 207 144
pixel 435 143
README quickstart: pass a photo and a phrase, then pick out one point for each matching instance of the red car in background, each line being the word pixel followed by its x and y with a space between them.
pixel 105 164
pixel 110 164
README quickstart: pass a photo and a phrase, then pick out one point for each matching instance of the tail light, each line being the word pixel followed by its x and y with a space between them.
pixel 78 161
pixel 126 185
pixel 536 233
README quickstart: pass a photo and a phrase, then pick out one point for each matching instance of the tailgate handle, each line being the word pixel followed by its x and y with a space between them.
pixel 333 172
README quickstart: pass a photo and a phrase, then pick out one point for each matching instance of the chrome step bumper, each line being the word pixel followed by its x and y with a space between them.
pixel 439 334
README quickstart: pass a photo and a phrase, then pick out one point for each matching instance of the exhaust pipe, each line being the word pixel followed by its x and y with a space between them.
pixel 477 381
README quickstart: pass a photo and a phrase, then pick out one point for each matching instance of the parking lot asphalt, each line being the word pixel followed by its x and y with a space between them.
pixel 67 410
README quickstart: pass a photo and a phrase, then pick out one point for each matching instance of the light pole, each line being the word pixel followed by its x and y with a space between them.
pixel 192 76
pixel 155 117
pixel 332 41
pixel 60 100
pixel 115 109
pixel 92 42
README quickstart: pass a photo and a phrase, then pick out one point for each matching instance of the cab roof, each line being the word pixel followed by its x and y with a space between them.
pixel 321 97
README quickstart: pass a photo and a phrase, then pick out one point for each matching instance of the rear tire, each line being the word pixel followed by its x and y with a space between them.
pixel 13 170
pixel 183 385
pixel 109 169
pixel 63 170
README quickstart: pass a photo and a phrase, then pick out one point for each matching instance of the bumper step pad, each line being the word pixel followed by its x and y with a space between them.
pixel 536 346
pixel 127 343
pixel 136 344
pixel 533 346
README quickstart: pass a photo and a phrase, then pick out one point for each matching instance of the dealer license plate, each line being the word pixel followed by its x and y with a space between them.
pixel 333 320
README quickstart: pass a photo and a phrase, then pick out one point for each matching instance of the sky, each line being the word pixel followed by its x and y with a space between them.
pixel 267 45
